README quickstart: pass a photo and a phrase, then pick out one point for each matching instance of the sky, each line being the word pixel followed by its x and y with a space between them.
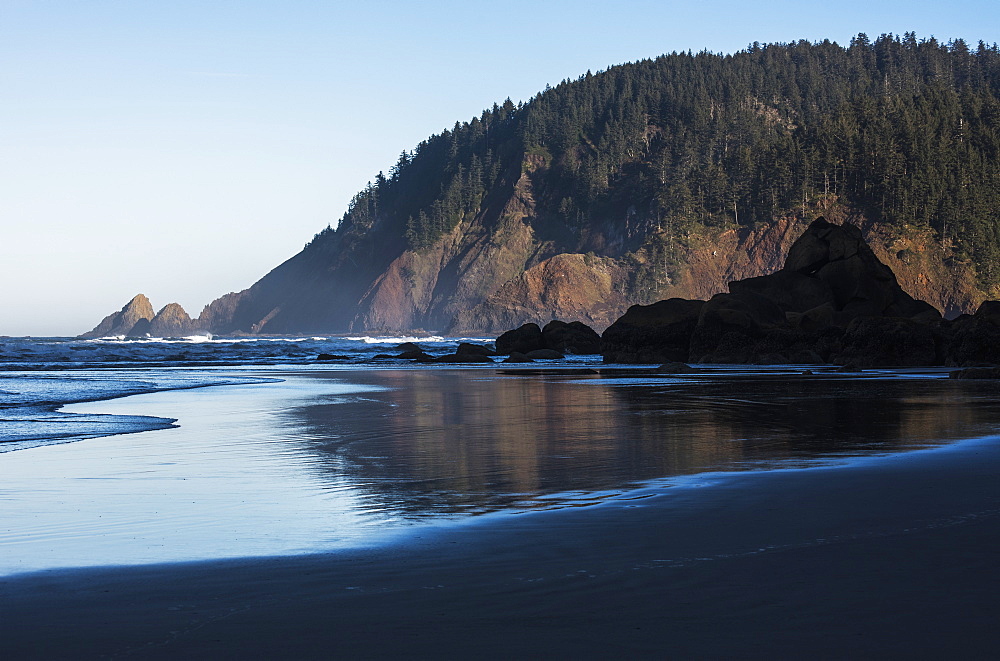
pixel 184 149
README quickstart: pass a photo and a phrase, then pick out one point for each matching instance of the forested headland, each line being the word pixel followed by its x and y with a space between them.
pixel 665 177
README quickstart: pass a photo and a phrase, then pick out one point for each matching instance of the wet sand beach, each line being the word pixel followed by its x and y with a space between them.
pixel 872 556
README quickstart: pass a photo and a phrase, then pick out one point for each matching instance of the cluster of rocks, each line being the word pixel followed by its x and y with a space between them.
pixel 466 352
pixel 136 319
pixel 832 302
pixel 529 342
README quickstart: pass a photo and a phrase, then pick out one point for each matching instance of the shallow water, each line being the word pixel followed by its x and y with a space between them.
pixel 224 483
pixel 335 459
pixel 37 375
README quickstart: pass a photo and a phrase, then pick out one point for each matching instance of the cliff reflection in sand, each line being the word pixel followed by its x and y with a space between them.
pixel 443 442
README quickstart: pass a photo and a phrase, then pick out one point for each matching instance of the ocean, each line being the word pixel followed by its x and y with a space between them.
pixel 40 375
pixel 124 451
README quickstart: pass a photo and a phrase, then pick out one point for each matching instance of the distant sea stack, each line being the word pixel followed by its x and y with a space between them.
pixel 171 321
pixel 136 319
pixel 137 312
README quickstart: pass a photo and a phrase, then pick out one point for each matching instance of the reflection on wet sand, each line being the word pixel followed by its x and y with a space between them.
pixel 464 441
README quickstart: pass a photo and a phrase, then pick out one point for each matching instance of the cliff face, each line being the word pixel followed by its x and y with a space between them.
pixel 492 274
pixel 567 286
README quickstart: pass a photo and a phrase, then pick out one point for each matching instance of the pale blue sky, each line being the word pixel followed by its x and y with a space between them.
pixel 183 149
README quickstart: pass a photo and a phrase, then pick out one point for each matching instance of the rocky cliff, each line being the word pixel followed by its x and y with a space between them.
pixel 132 319
pixel 486 279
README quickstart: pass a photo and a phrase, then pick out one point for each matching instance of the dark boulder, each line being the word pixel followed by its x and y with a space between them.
pixel 798 314
pixel 789 290
pixel 524 339
pixel 832 301
pixel 888 342
pixel 989 311
pixel 812 320
pixel 544 354
pixel 474 349
pixel 732 328
pixel 324 357
pixel 415 354
pixel 517 357
pixel 804 356
pixel 408 346
pixel 574 337
pixel 974 338
pixel 463 358
pixel 861 285
pixel 655 334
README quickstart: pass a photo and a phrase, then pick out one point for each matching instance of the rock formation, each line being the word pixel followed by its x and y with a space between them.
pixel 832 301
pixel 136 319
pixel 557 336
pixel 171 321
pixel 132 319
pixel 657 333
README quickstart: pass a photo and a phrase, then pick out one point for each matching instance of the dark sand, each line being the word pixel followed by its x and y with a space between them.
pixel 892 557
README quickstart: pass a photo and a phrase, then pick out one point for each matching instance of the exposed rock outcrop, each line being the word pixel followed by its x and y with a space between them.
pixel 657 333
pixel 171 321
pixel 527 337
pixel 889 342
pixel 972 339
pixel 136 319
pixel 574 337
pixel 830 279
pixel 132 319
pixel 833 301
pixel 567 286
pixel 557 336
pixel 474 349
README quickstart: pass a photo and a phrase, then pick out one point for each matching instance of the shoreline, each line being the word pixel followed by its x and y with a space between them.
pixel 884 556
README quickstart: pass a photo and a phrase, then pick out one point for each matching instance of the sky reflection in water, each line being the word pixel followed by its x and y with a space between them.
pixel 330 460
pixel 446 442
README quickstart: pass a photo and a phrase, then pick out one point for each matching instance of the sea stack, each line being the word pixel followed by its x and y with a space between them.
pixel 136 319
pixel 132 319
pixel 171 321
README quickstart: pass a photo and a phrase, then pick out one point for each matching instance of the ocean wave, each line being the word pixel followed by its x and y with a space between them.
pixel 20 354
pixel 368 339
pixel 430 339
pixel 31 403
